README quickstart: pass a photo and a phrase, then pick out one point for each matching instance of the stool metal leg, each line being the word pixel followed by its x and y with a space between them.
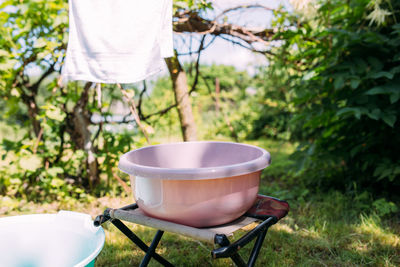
pixel 224 242
pixel 230 250
pixel 238 260
pixel 225 250
pixel 257 248
pixel 128 233
pixel 151 251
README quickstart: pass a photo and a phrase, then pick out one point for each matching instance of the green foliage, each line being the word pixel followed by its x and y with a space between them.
pixel 344 75
pixel 53 167
pixel 229 114
pixel 325 228
pixel 161 98
pixel 276 112
pixel 192 4
pixel 32 32
pixel 384 207
pixel 333 87
pixel 44 151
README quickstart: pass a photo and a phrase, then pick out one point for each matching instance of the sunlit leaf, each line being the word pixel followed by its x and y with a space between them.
pixel 55 114
pixel 30 162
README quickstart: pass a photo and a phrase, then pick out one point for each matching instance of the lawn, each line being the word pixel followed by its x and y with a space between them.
pixel 324 229
pixel 318 233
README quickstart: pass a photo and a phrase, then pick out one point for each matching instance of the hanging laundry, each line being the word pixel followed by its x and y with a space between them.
pixel 117 41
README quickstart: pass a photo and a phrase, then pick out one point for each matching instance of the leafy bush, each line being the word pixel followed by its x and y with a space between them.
pixel 52 167
pixel 277 111
pixel 346 72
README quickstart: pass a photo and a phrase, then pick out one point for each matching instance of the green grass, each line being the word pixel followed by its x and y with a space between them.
pixel 319 232
pixel 321 229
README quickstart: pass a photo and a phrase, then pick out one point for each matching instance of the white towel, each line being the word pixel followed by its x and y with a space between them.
pixel 117 41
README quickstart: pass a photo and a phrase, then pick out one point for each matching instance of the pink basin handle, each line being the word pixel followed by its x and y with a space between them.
pixel 194 160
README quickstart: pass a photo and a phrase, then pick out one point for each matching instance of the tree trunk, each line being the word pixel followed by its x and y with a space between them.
pixel 78 127
pixel 30 99
pixel 33 111
pixel 181 91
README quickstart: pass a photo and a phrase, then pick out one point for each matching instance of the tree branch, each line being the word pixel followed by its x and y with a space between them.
pixel 250 47
pixel 242 7
pixel 160 112
pixel 196 77
pixel 132 107
pixel 34 87
pixel 199 51
pixel 192 22
pixel 139 108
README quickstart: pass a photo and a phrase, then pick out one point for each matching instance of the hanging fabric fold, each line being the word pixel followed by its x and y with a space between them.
pixel 117 41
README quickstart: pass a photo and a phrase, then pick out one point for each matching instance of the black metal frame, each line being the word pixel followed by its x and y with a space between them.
pixel 226 249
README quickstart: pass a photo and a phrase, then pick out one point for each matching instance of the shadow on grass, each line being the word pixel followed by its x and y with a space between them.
pixel 330 229
pixel 286 247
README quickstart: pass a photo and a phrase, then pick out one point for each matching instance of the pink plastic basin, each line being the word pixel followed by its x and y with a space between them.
pixel 199 184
